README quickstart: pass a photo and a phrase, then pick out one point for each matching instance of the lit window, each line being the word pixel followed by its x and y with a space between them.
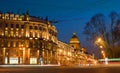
pixel 33 60
pixel 6 33
pixel 16 33
pixel 11 33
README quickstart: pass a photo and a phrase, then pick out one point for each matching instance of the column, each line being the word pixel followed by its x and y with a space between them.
pixel 43 55
pixel 38 57
pixel 8 57
pixel 28 55
pixel 3 56
pixel 51 58
pixel 47 59
pixel 23 55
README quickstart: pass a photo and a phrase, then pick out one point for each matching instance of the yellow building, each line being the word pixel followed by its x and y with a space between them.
pixel 26 39
pixel 80 57
pixel 75 42
pixel 65 54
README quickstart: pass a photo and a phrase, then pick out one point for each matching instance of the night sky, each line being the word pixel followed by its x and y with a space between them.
pixel 70 14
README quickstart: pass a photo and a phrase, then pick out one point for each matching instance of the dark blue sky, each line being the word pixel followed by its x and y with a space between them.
pixel 70 14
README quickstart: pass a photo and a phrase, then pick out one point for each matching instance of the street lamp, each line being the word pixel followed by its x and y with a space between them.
pixel 99 40
pixel 100 43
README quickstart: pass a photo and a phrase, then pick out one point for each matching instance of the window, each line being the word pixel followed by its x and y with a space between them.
pixel 6 33
pixel 22 33
pixel 5 43
pixel 30 27
pixel 31 34
pixel 7 18
pixel 40 28
pixel 12 26
pixel 16 33
pixel 17 44
pixel 30 44
pixel 40 44
pixel 35 44
pixel 36 27
pixel 44 29
pixel 6 25
pixel 11 44
pixel 35 34
pixel 22 26
pixel 11 33
pixel 17 25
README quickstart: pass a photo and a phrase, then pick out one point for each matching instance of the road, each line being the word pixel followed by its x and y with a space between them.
pixel 62 69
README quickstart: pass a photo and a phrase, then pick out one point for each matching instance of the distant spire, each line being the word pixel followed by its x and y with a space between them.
pixel 74 33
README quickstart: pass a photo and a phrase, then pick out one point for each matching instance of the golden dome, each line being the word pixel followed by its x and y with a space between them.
pixel 74 39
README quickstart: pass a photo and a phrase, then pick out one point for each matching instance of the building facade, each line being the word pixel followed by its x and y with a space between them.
pixel 65 54
pixel 80 54
pixel 25 39
pixel 72 53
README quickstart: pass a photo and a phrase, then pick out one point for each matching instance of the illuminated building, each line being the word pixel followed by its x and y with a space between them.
pixel 65 54
pixel 27 39
pixel 80 55
pixel 72 53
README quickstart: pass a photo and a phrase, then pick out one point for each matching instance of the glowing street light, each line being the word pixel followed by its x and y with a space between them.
pixel 100 43
pixel 99 39
pixel 60 50
pixel 101 46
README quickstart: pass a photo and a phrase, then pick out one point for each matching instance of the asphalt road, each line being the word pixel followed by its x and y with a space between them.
pixel 62 69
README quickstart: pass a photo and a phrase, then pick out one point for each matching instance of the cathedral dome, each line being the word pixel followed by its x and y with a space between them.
pixel 74 39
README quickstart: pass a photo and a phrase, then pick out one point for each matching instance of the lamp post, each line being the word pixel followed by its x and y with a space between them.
pixel 100 42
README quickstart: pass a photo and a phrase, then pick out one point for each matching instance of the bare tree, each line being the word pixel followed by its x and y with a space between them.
pixel 99 26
